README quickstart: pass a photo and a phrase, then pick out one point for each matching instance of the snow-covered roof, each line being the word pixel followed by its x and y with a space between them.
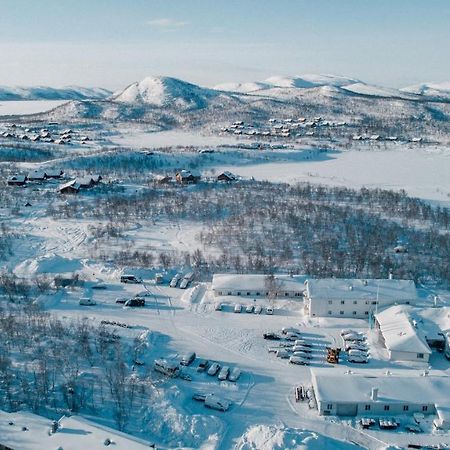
pixel 19 178
pixel 403 386
pixel 399 333
pixel 72 183
pixel 224 281
pixel 76 433
pixel 369 289
pixel 37 175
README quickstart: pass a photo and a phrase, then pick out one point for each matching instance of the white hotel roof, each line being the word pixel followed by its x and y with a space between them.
pixel 76 433
pixel 227 281
pixel 398 332
pixel 352 289
pixel 403 386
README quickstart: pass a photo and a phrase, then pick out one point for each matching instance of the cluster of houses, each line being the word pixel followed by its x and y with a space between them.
pixel 74 186
pixel 281 128
pixel 61 137
pixel 185 177
pixel 377 137
pixel 34 176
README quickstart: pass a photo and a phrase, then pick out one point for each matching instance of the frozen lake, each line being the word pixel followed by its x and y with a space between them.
pixel 420 172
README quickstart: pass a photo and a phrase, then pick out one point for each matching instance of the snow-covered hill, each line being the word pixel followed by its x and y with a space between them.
pixel 49 93
pixel 439 91
pixel 166 91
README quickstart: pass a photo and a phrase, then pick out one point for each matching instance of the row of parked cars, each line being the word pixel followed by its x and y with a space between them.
pixel 292 346
pixel 249 309
pixel 181 281
pixel 355 344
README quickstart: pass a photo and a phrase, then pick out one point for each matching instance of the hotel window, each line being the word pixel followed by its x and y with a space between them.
pixel 330 302
pixel 355 302
pixel 248 293
pixel 342 302
pixel 341 313
pixel 367 302
pixel 367 408
pixel 330 406
pixel 366 313
pixel 405 408
pixel 354 313
pixel 258 293
pixel 238 293
pixel 330 312
pixel 386 407
pixel 219 293
pixel 229 292
pixel 420 355
pixel 374 303
pixel 424 408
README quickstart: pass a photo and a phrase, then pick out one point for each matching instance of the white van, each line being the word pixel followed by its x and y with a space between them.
pixel 269 310
pixel 175 280
pixel 85 301
pixel 167 367
pixel 237 308
pixel 187 359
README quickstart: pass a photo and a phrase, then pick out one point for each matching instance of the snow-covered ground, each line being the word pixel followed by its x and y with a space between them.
pixel 19 107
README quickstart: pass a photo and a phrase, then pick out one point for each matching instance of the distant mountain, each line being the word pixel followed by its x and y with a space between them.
pixel 164 91
pixel 438 91
pixel 310 81
pixel 243 88
pixel 49 93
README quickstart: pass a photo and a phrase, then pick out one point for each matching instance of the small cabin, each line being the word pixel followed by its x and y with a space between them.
pixel 226 176
pixel 187 177
pixel 71 187
pixel 17 180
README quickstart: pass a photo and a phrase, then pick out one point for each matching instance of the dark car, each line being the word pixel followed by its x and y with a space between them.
pixel 271 336
pixel 203 365
pixel 135 302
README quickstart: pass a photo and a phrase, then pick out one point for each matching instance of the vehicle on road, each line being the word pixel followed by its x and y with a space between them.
pixel 199 397
pixel 131 279
pixel 249 309
pixel 136 301
pixel 258 309
pixel 269 311
pixel 85 301
pixel 237 308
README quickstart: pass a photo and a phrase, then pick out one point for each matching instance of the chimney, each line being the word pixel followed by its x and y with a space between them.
pixel 374 394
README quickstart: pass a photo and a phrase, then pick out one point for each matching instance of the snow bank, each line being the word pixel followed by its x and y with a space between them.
pixel 269 437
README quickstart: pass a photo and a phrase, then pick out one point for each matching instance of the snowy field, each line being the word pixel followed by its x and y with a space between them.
pixel 20 107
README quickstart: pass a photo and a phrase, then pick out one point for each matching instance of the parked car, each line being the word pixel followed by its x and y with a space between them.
pixel 121 300
pixel 292 336
pixel 174 281
pixel 188 359
pixel 303 343
pixel 269 310
pixel 271 336
pixel 170 368
pixel 258 309
pixel 218 306
pixel 237 308
pixel 213 369
pixel 358 359
pixel 132 279
pixel 199 397
pixel 202 365
pixel 301 348
pixel 249 309
pixel 136 301
pixel 223 374
pixel 214 402
pixel 301 354
pixel 298 360
pixel 286 330
pixel 283 354
pixel 355 346
pixel 235 374
pixel 85 301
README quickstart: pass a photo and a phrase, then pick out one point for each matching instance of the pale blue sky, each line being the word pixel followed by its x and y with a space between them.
pixel 112 43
